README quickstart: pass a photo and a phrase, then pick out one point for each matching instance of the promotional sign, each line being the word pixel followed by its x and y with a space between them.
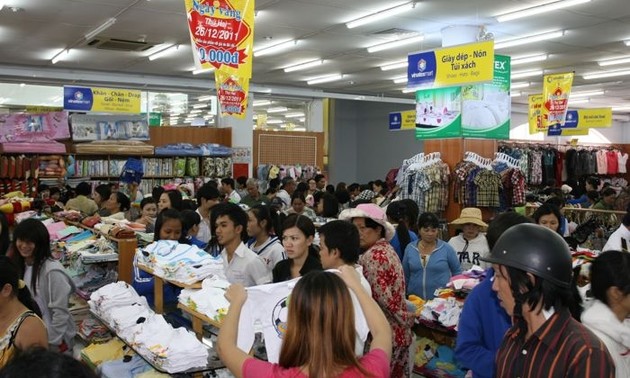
pixel 87 127
pixel 34 127
pixel 403 120
pixel 155 118
pixel 103 100
pixel 578 122
pixel 486 108
pixel 438 113
pixel 451 66
pixel 535 104
pixel 556 91
pixel 222 36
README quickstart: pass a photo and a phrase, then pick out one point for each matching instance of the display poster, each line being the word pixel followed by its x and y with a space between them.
pixel 535 104
pixel 261 120
pixel 101 100
pixel 222 36
pixel 87 127
pixel 241 155
pixel 556 92
pixel 438 113
pixel 578 122
pixel 486 108
pixel 403 120
pixel 34 127
pixel 155 118
pixel 451 66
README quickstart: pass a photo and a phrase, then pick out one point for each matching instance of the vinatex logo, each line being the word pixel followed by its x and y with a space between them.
pixel 421 69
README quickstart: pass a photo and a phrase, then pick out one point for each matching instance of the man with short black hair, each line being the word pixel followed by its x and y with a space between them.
pixel 207 197
pixel 227 186
pixel 320 182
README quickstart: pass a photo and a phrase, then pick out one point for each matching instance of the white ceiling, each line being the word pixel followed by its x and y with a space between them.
pixel 595 30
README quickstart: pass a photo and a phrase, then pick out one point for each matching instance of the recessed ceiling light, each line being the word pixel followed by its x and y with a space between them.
pixel 538 9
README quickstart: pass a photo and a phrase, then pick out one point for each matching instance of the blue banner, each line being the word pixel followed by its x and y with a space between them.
pixel 77 98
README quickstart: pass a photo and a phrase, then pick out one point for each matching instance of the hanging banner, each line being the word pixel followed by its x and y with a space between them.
pixel 451 66
pixel 87 127
pixel 222 36
pixel 403 120
pixel 556 91
pixel 438 113
pixel 102 100
pixel 582 120
pixel 535 104
pixel 486 108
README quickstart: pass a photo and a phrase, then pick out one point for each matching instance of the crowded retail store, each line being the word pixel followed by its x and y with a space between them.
pixel 290 188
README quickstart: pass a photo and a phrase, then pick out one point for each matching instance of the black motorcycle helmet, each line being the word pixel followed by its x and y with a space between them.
pixel 534 249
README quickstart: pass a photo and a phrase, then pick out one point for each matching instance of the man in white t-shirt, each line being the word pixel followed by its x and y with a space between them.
pixel 227 186
pixel 620 239
pixel 240 263
pixel 207 197
pixel 285 193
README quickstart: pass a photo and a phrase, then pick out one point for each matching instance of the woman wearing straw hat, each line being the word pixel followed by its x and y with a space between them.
pixel 470 244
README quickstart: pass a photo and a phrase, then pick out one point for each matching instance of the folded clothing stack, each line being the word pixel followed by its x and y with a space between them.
pixel 209 300
pixel 180 262
pixel 170 349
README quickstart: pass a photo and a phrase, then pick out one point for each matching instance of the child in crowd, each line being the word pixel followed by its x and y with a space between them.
pixel 47 280
pixel 191 220
pixel 148 213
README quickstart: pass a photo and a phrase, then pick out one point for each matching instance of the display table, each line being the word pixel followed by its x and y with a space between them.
pixel 158 287
pixel 198 319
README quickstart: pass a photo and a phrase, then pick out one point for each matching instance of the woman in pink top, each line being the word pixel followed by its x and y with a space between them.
pixel 320 336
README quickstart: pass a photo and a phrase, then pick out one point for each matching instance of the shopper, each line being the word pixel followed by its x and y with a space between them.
pixel 170 199
pixel 318 341
pixel 483 322
pixel 101 196
pixel 208 197
pixel 231 195
pixel 620 239
pixel 471 243
pixel 403 215
pixel 40 362
pixel 298 233
pixel 326 205
pixel 383 270
pixel 82 202
pixel 118 205
pixel 607 201
pixel 20 317
pixel 591 185
pixel 241 265
pixel 533 281
pixel 262 226
pixel 610 285
pixel 5 241
pixel 549 216
pixel 254 197
pixel 298 206
pixel 148 213
pixel 429 263
pixel 285 192
pixel 190 228
pixel 47 280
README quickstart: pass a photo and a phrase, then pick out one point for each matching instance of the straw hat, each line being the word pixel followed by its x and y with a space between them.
pixel 372 211
pixel 470 215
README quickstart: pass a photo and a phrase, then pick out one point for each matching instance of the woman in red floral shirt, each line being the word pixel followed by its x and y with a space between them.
pixel 384 272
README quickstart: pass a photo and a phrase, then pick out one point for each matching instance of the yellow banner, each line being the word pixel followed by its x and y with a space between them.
pixel 116 100
pixel 408 120
pixel 222 36
pixel 465 64
pixel 573 132
pixel 594 118
pixel 556 91
pixel 535 113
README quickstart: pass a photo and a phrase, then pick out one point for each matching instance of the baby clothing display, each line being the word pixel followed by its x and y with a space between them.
pixel 209 300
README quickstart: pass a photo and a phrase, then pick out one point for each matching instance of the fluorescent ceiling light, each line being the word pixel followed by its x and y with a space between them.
pixel 612 62
pixel 621 108
pixel 100 29
pixel 200 106
pixel 528 39
pixel 59 56
pixel 528 73
pixel 205 98
pixel 515 94
pixel 274 121
pixel 522 84
pixel 300 129
pixel 303 66
pixel 528 59
pixel 261 102
pixel 202 70
pixel 394 65
pixel 380 15
pixel 196 111
pixel 400 79
pixel 395 43
pixel 324 79
pixel 586 94
pixel 627 42
pixel 164 52
pixel 275 48
pixel 302 120
pixel 604 74
pixel 294 115
pixel 278 109
pixel 409 90
pixel 580 101
pixel 538 9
